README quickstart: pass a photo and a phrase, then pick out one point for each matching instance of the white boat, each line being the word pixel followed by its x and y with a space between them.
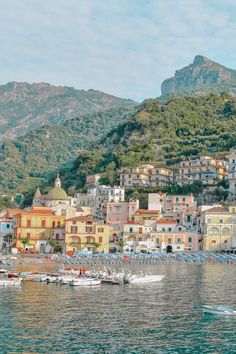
pixel 143 279
pixel 10 282
pixel 85 282
pixel 67 279
pixel 219 310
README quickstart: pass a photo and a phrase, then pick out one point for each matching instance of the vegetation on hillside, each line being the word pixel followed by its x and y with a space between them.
pixel 23 162
pixel 161 133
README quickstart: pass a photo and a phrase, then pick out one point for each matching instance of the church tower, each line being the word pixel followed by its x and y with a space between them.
pixel 38 198
pixel 58 181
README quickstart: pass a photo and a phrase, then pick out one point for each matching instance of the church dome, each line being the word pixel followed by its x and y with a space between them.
pixel 57 193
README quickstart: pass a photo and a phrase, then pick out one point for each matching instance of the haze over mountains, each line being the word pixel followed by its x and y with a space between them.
pixel 25 107
pixel 45 127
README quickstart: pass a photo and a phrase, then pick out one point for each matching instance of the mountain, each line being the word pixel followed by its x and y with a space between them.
pixel 34 156
pixel 201 77
pixel 25 107
pixel 163 133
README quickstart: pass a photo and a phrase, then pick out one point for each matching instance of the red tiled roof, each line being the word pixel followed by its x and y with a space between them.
pixel 81 218
pixel 11 212
pixel 165 221
pixel 216 210
pixel 145 211
pixel 79 209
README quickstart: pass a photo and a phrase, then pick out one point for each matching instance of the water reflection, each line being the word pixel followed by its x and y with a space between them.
pixel 165 317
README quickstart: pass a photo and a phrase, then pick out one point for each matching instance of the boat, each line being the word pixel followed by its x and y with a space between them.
pixel 10 281
pixel 219 310
pixel 85 282
pixel 142 279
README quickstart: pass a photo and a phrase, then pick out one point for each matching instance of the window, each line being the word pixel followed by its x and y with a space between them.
pixel 58 224
pixel 131 230
pixel 213 241
pixel 188 218
pixel 53 224
pixel 74 222
pixel 140 230
pixel 178 247
pixel 100 239
pixel 209 220
pixel 28 222
pixel 28 235
pixel 176 199
pixel 43 223
pixel 179 240
pixel 158 240
pixel 88 229
pixel 225 241
pixel 8 226
pixel 163 229
pixel 57 237
pixel 215 231
pixel 226 231
pixel 100 229
pixel 221 221
pixel 190 239
pixel 74 229
pixel 169 229
pixel 169 240
pixel 184 199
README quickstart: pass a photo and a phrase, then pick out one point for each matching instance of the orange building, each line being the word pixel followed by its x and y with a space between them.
pixel 39 225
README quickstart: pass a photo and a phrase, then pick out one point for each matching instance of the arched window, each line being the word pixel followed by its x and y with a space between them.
pixel 225 231
pixel 215 231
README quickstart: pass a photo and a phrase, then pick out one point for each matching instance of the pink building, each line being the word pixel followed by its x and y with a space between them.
pixel 119 213
pixel 182 208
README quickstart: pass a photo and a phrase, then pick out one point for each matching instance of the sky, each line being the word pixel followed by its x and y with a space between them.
pixel 122 47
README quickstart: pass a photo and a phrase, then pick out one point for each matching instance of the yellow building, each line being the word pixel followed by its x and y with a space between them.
pixel 83 233
pixel 218 229
pixel 39 225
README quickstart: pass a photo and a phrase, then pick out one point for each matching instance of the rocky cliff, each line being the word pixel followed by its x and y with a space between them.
pixel 201 77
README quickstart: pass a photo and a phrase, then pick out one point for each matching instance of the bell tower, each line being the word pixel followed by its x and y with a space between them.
pixel 58 181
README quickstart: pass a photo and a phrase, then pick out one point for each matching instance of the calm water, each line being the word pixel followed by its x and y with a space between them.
pixel 161 318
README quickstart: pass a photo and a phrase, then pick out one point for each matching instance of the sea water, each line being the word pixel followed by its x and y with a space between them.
pixel 164 317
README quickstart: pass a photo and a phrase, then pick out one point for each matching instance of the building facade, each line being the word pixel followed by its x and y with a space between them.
pixel 232 174
pixel 85 234
pixel 145 175
pixel 38 225
pixel 205 169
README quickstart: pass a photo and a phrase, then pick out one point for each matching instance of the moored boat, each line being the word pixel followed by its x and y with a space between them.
pixel 143 279
pixel 85 282
pixel 219 310
pixel 10 281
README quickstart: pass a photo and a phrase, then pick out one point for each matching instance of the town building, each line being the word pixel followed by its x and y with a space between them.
pixel 145 175
pixel 38 225
pixel 182 208
pixel 97 198
pixel 206 169
pixel 218 228
pixel 83 233
pixel 144 215
pixel 119 213
pixel 160 236
pixel 232 174
pixel 6 227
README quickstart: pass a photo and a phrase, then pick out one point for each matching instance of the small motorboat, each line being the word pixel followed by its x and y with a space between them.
pixel 10 281
pixel 85 282
pixel 143 279
pixel 219 310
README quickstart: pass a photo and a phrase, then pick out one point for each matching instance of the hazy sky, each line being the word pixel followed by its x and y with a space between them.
pixel 123 47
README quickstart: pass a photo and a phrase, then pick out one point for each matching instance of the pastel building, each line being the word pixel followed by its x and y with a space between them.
pixel 232 174
pixel 218 228
pixel 206 169
pixel 145 175
pixel 119 213
pixel 39 225
pixel 83 233
pixel 182 208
